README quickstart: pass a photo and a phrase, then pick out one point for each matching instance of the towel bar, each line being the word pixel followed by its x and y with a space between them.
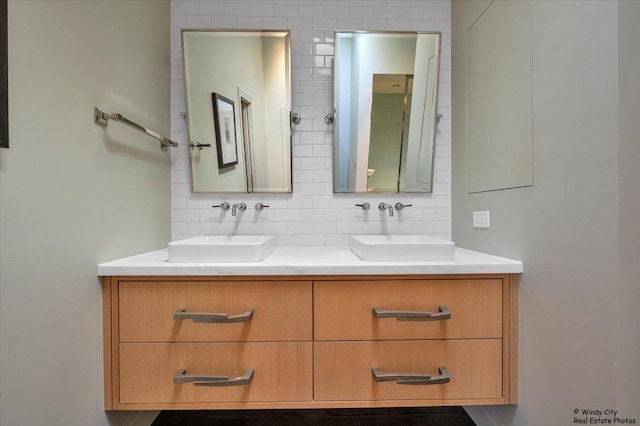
pixel 102 117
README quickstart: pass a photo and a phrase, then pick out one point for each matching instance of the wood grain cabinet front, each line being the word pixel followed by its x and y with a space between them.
pixel 318 342
pixel 404 341
pixel 214 311
pixel 197 373
pixel 436 370
pixel 387 309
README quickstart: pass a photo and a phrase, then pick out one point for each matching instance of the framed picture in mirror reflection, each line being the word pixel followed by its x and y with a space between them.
pixel 225 124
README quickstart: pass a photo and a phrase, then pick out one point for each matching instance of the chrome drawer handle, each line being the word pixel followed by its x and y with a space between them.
pixel 443 314
pixel 199 380
pixel 180 314
pixel 411 378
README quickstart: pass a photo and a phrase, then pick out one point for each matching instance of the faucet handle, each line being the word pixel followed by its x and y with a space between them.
pixel 260 206
pixel 223 206
pixel 400 206
pixel 242 206
pixel 365 206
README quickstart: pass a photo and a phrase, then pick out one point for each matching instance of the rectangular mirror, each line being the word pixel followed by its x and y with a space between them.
pixel 385 98
pixel 238 96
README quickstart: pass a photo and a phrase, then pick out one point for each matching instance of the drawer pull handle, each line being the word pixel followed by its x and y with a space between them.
pixel 180 314
pixel 411 378
pixel 200 380
pixel 443 314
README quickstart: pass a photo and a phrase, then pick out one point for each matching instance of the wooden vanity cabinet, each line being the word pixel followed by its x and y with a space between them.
pixel 309 342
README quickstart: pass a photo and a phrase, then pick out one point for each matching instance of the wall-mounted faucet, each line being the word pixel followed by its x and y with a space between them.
pixel 238 206
pixel 364 206
pixel 385 206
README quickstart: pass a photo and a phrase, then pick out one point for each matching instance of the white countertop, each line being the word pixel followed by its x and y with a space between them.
pixel 309 261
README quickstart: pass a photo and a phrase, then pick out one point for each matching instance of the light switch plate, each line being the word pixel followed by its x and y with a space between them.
pixel 481 219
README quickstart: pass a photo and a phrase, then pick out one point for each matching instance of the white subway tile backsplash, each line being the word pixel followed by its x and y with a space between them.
pixel 224 22
pixel 183 189
pixel 324 23
pixel 300 24
pixel 288 215
pixel 313 215
pixel 261 9
pixel 312 240
pixel 198 21
pixel 312 163
pixel 336 11
pixel 325 176
pixel 325 202
pixel 286 10
pixel 364 12
pixel 350 227
pixel 423 227
pixel 313 188
pixel 288 240
pixel 250 22
pixel 336 214
pixel 410 13
pixel 210 9
pixel 237 8
pixel 199 228
pixel 274 23
pixel 303 175
pixel 443 227
pixel 349 24
pixel 179 228
pixel 336 240
pixel 184 7
pixel 374 24
pixel 274 228
pixel 200 202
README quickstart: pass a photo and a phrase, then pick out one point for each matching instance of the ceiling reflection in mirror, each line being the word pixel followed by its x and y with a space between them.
pixel 238 96
pixel 385 96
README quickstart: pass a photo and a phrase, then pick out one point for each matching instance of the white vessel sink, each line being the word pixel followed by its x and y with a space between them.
pixel 402 248
pixel 221 249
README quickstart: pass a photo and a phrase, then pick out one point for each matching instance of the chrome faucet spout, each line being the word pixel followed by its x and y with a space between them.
pixel 236 207
pixel 385 206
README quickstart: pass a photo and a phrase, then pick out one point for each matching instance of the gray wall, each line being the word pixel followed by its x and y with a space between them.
pixel 629 208
pixel 576 228
pixel 73 194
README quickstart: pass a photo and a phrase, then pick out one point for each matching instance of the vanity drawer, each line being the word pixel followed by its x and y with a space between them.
pixel 343 370
pixel 282 372
pixel 344 310
pixel 281 311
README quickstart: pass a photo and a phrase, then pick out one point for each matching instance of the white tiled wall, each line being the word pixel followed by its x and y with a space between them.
pixel 312 215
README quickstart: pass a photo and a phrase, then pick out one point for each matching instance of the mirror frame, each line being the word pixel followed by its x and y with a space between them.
pixel 289 106
pixel 336 116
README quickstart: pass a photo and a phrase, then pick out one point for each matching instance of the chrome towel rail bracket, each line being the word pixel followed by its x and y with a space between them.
pixel 101 118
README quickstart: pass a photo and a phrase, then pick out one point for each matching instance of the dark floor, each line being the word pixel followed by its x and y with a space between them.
pixel 432 416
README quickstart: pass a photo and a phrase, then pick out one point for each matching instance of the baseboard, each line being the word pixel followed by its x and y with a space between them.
pixel 142 418
pixel 481 415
